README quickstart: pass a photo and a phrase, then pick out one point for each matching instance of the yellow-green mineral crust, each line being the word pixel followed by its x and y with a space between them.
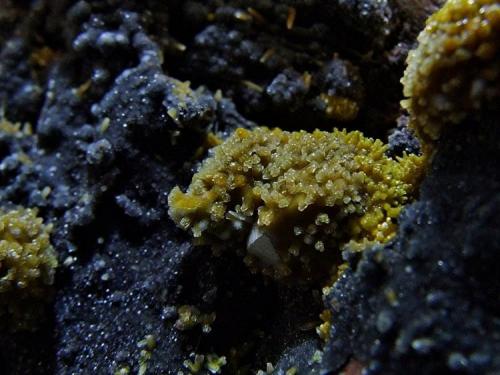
pixel 455 70
pixel 27 266
pixel 293 199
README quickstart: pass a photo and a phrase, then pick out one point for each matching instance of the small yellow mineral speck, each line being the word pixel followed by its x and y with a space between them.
pixel 105 124
pixel 144 358
pixel 269 52
pixel 14 129
pixel 252 86
pixel 46 192
pixel 214 363
pixel 323 330
pixel 43 56
pixel 123 370
pixel 242 16
pixel 317 356
pixel 82 89
pixel 391 296
pixel 149 342
pixel 190 316
pixel 259 18
pixel 196 365
pixel 340 108
pixel 290 19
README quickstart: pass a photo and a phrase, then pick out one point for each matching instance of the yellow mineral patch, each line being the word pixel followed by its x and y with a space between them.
pixel 27 263
pixel 211 362
pixel 455 70
pixel 15 129
pixel 340 108
pixel 43 56
pixel 27 260
pixel 190 317
pixel 323 330
pixel 182 89
pixel 294 199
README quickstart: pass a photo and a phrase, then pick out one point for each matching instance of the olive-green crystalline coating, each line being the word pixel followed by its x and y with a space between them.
pixel 455 70
pixel 295 198
pixel 27 263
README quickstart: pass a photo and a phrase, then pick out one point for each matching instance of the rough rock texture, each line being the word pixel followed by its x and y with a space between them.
pixel 424 303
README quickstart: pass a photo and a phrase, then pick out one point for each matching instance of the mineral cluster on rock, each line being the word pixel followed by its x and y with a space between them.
pixel 456 68
pixel 296 198
pixel 27 266
pixel 352 221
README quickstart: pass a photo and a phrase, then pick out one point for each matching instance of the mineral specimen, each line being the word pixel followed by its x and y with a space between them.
pixel 295 197
pixel 124 99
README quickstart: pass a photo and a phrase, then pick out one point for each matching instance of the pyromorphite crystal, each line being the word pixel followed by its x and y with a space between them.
pixel 455 70
pixel 294 199
pixel 27 265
